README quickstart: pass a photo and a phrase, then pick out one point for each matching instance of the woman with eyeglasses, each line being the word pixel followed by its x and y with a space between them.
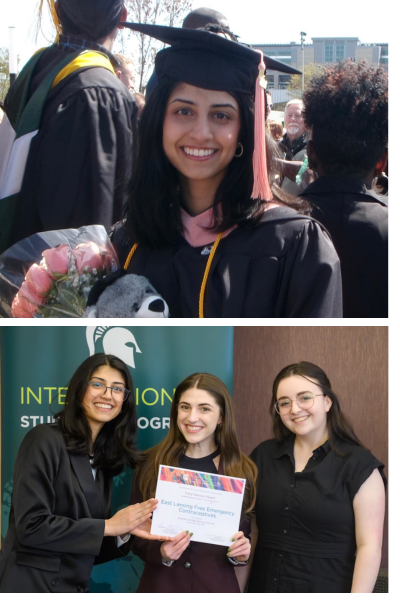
pixel 60 523
pixel 321 494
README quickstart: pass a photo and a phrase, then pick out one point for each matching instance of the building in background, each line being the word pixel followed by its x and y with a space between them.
pixel 322 51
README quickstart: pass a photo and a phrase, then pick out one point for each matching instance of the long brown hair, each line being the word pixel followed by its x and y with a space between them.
pixel 337 423
pixel 235 462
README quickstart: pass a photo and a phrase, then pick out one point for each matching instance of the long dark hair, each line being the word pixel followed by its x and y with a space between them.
pixel 153 211
pixel 114 446
pixel 337 423
pixel 235 462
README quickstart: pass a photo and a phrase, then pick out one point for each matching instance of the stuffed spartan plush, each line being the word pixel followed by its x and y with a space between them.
pixel 129 296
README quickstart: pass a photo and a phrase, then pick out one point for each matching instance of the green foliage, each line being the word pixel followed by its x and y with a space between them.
pixel 4 74
pixel 310 71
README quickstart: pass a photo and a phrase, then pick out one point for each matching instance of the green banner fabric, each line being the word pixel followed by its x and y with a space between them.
pixel 37 363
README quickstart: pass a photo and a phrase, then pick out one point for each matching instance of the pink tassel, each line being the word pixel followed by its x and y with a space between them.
pixel 261 187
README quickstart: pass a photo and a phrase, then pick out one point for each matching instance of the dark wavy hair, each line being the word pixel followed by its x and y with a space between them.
pixel 235 462
pixel 153 212
pixel 347 108
pixel 337 423
pixel 114 446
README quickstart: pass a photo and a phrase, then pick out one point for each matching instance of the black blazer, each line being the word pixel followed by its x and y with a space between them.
pixel 56 524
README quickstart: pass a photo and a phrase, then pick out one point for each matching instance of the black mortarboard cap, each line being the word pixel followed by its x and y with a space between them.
pixel 92 16
pixel 207 60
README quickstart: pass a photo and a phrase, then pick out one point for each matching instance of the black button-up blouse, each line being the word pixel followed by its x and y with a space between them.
pixel 306 541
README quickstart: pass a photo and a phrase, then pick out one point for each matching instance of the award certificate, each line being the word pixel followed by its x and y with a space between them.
pixel 207 505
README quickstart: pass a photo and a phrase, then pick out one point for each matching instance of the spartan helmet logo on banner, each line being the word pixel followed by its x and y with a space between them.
pixel 113 340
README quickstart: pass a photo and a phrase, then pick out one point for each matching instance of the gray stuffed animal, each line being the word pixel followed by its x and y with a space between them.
pixel 126 297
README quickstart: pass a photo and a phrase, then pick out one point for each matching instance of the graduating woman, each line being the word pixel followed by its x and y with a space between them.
pixel 321 494
pixel 202 437
pixel 60 522
pixel 203 223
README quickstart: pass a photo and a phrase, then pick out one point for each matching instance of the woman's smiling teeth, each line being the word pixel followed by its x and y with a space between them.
pixel 199 152
pixel 193 428
pixel 300 419
pixel 103 406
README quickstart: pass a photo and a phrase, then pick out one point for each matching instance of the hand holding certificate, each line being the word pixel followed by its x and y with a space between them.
pixel 205 504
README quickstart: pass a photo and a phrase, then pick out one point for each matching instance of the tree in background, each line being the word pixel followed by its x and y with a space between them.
pixel 310 71
pixel 143 48
pixel 4 74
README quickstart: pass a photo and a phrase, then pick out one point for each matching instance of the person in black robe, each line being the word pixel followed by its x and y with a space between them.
pixel 347 108
pixel 203 226
pixel 81 160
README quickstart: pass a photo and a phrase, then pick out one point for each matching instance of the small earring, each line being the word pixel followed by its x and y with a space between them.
pixel 241 150
pixel 219 425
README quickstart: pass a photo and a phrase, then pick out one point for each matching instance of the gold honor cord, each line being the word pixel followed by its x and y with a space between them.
pixel 206 272
pixel 129 257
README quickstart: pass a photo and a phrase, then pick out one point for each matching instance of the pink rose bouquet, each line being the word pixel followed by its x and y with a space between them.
pixel 58 283
pixel 57 260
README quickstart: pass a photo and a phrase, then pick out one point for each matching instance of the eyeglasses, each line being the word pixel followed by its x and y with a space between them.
pixel 271 106
pixel 118 393
pixel 305 401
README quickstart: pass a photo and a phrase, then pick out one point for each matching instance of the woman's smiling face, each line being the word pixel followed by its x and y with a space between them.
pixel 301 421
pixel 200 133
pixel 198 418
pixel 100 409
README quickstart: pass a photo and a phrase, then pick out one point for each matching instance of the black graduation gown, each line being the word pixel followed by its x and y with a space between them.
pixel 285 267
pixel 357 220
pixel 56 527
pixel 80 161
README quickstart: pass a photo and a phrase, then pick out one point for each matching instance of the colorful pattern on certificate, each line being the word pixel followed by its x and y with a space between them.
pixel 204 480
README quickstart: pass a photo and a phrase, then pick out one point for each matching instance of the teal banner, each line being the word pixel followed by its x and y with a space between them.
pixel 37 363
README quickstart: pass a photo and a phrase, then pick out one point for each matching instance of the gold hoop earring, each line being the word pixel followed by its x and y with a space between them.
pixel 241 150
